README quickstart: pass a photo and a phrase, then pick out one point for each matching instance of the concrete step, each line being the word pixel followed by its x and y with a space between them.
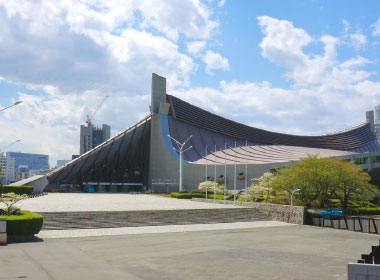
pixel 115 219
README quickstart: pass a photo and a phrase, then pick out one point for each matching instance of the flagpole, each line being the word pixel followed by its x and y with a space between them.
pixel 235 176
pixel 246 177
pixel 215 175
pixel 225 172
pixel 206 173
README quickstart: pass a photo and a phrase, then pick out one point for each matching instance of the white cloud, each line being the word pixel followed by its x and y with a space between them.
pixel 283 42
pixel 358 40
pixel 327 94
pixel 76 52
pixel 221 3
pixel 376 28
pixel 189 17
pixel 214 61
pixel 196 47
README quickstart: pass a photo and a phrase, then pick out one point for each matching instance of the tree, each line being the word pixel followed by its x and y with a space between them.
pixel 320 179
pixel 10 199
pixel 261 186
pixel 211 187
pixel 352 184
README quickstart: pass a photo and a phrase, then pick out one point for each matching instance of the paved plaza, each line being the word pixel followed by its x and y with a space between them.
pixel 75 202
pixel 257 248
pixel 286 252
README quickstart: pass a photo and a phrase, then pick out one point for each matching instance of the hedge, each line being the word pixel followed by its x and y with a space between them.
pixel 198 195
pixel 17 189
pixel 186 195
pixel 363 211
pixel 27 223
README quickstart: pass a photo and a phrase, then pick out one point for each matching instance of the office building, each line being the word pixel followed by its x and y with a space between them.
pixel 62 162
pixel 92 136
pixel 7 173
pixel 25 162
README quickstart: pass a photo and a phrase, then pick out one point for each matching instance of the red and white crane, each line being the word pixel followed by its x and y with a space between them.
pixel 89 118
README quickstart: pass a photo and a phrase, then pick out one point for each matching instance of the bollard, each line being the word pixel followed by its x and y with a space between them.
pixel 3 230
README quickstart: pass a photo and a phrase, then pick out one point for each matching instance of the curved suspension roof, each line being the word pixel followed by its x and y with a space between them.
pixel 218 133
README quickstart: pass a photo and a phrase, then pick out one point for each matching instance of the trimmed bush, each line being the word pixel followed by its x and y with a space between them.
pixel 186 195
pixel 218 196
pixel 17 189
pixel 26 223
pixel 198 195
pixel 363 211
pixel 183 191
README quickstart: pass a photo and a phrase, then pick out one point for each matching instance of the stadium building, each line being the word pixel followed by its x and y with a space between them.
pixel 145 155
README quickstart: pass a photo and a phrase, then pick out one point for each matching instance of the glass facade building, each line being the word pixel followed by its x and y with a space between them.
pixel 30 161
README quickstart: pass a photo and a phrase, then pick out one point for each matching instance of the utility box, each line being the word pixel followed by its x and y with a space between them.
pixel 3 230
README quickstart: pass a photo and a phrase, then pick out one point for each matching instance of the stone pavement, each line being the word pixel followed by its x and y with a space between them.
pixel 117 219
pixel 76 202
pixel 285 252
pixel 61 233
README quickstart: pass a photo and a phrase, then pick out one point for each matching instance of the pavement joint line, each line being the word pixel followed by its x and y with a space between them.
pixel 156 229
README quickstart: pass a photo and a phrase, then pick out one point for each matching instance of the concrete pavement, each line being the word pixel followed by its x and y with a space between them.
pixel 287 252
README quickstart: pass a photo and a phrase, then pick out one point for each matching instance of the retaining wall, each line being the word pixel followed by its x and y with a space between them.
pixel 278 212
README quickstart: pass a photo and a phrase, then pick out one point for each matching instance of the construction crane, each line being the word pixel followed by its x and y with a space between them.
pixel 89 118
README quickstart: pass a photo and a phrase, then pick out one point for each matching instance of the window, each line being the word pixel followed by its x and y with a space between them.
pixel 375 159
pixel 359 160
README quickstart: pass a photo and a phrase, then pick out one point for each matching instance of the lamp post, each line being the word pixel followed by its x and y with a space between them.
pixel 181 150
pixel 2 148
pixel 16 103
pixel 292 195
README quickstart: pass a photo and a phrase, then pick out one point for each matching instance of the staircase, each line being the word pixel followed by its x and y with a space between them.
pixel 116 219
pixel 373 257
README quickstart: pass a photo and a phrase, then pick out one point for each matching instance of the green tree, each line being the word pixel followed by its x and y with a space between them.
pixel 261 187
pixel 10 199
pixel 352 183
pixel 321 179
pixel 211 187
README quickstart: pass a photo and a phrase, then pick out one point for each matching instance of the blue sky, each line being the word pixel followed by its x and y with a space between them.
pixel 300 67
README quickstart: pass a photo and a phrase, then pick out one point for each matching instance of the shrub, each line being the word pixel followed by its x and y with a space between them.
pixel 186 195
pixel 10 199
pixel 218 196
pixel 198 195
pixel 26 223
pixel 17 189
pixel 183 191
pixel 211 187
pixel 363 211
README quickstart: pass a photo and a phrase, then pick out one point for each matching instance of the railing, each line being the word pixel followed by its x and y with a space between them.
pixel 367 224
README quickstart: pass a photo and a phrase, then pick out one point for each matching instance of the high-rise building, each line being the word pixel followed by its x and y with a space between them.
pixel 62 162
pixel 7 173
pixel 370 119
pixel 373 118
pixel 24 162
pixel 92 136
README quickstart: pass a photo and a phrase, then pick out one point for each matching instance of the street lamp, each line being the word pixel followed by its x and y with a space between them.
pixel 292 195
pixel 16 103
pixel 9 145
pixel 181 151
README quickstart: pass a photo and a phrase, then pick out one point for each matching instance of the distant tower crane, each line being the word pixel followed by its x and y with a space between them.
pixel 89 118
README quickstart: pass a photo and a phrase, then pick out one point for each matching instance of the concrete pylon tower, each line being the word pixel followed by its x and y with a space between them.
pixel 158 95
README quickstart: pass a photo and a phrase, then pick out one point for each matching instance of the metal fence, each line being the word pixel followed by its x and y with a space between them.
pixel 367 224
